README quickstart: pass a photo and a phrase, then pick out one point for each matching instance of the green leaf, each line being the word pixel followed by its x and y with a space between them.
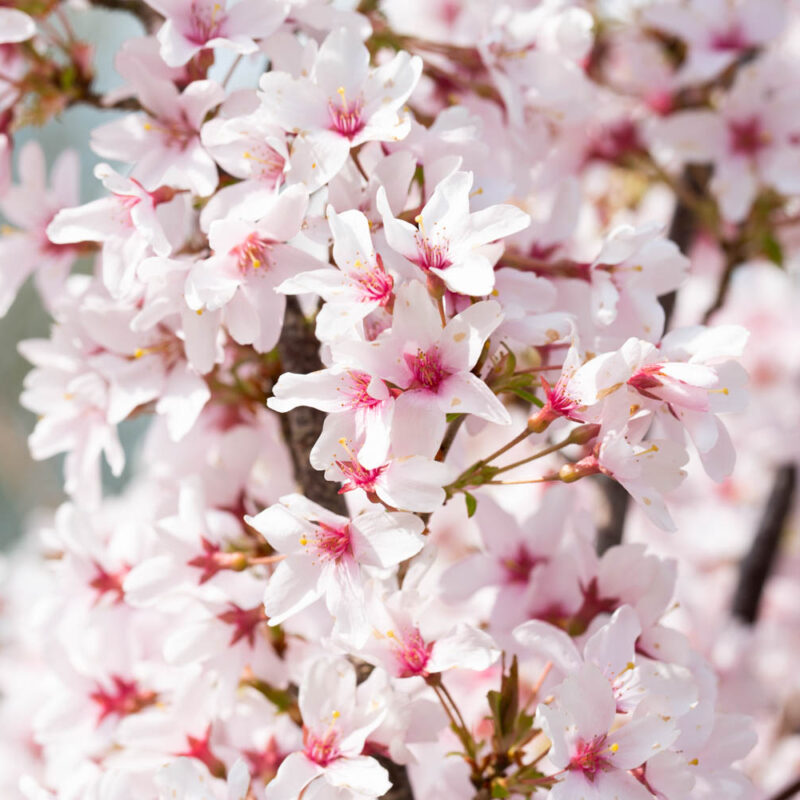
pixel 499 791
pixel 772 249
pixel 526 395
pixel 472 503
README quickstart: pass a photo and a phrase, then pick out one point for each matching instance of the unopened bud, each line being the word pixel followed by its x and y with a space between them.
pixel 540 421
pixel 239 562
pixel 583 433
pixel 570 473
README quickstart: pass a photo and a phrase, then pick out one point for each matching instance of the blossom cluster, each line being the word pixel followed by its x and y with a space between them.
pixel 401 312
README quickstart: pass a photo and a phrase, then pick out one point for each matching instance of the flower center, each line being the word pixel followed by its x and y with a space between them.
pixel 346 117
pixel 357 392
pixel 427 368
pixel 331 543
pixel 244 622
pixel 104 582
pixel 733 38
pixel 252 254
pixel 266 164
pixel 376 284
pixel 175 133
pixel 125 698
pixel 358 477
pixel 412 653
pixel 205 21
pixel 747 137
pixel 590 757
pixel 321 749
pixel 430 255
pixel 519 566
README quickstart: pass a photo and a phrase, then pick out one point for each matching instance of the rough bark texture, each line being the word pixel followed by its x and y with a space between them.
pixel 299 351
pixel 757 564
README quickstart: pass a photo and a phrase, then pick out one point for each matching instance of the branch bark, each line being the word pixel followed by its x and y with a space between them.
pixel 790 791
pixel 299 351
pixel 757 565
pixel 148 16
pixel 683 229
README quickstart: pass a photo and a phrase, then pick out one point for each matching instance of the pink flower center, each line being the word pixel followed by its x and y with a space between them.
pixel 427 368
pixel 205 21
pixel 199 747
pixel 359 477
pixel 331 543
pixel 321 749
pixel 104 582
pixel 412 654
pixel 266 164
pixel 590 757
pixel 125 698
pixel 264 763
pixel 346 117
pixel 747 137
pixel 175 133
pixel 244 622
pixel 731 39
pixel 519 566
pixel 253 254
pixel 212 560
pixel 357 393
pixel 431 255
pixel 376 284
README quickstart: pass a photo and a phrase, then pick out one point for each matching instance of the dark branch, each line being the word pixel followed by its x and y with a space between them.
pixel 612 526
pixel 148 16
pixel 757 565
pixel 299 352
pixel 398 775
pixel 790 791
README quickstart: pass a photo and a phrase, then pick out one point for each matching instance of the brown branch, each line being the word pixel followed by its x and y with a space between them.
pixel 299 351
pixel 398 775
pixel 757 565
pixel 617 500
pixel 790 791
pixel 148 16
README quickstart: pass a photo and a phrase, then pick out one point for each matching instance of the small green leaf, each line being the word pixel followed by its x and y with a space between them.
pixel 472 503
pixel 498 790
pixel 772 249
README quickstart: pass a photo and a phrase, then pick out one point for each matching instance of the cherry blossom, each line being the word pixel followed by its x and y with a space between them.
pixel 325 556
pixel 341 104
pixel 449 241
pixel 194 25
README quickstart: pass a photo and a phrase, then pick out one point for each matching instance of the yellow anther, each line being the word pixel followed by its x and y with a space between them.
pixel 199 312
pixel 694 762
pixel 336 714
pixel 303 541
pixel 614 747
pixel 138 353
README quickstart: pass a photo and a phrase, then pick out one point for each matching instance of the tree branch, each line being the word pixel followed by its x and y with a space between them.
pixel 299 351
pixel 757 565
pixel 617 500
pixel 148 16
pixel 790 791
